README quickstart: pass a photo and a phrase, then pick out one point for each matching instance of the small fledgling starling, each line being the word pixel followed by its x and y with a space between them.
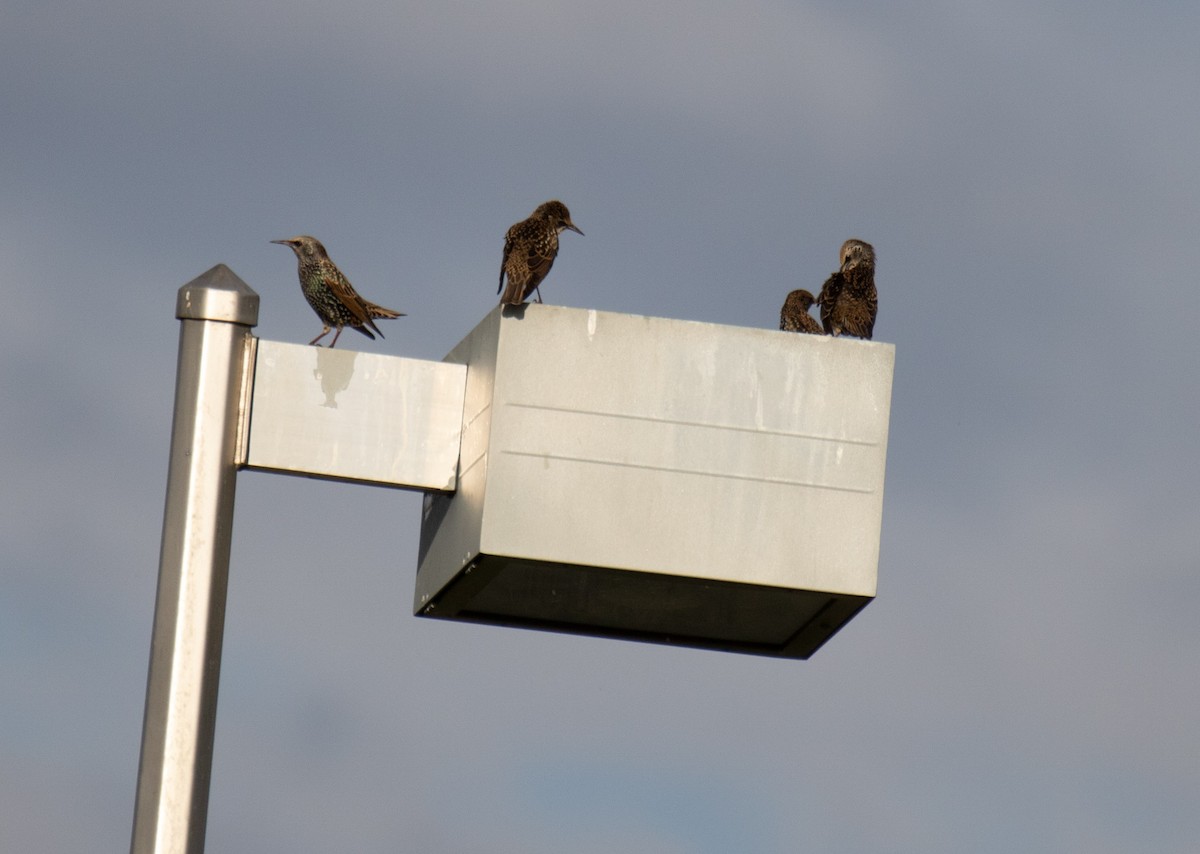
pixel 330 293
pixel 848 298
pixel 529 250
pixel 794 316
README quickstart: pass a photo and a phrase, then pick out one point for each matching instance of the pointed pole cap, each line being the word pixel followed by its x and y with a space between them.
pixel 218 295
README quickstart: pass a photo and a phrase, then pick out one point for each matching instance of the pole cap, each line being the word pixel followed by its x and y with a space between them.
pixel 218 294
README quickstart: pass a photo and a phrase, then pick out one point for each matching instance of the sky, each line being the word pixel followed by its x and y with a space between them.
pixel 1026 679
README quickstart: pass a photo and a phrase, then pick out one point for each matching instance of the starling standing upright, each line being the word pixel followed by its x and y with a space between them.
pixel 330 293
pixel 794 316
pixel 848 298
pixel 529 250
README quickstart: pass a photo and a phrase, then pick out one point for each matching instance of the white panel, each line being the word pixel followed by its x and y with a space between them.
pixel 356 416
pixel 603 443
pixel 690 448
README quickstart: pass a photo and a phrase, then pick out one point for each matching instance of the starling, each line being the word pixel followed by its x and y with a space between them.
pixel 848 298
pixel 529 250
pixel 794 316
pixel 330 293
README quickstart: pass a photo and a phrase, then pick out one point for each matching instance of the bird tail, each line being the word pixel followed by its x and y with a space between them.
pixel 514 293
pixel 374 310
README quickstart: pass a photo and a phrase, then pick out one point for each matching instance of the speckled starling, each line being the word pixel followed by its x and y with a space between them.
pixel 330 293
pixel 529 250
pixel 848 298
pixel 794 316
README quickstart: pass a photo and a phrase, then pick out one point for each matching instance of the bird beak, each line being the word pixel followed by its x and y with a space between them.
pixel 571 226
pixel 282 242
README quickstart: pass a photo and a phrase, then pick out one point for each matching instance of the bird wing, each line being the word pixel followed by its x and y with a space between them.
pixel 827 298
pixel 508 248
pixel 540 258
pixel 347 296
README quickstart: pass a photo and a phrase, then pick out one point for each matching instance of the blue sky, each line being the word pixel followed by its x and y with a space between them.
pixel 1027 172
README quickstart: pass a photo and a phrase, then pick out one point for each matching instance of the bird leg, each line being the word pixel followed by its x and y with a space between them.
pixel 538 293
pixel 336 335
pixel 324 332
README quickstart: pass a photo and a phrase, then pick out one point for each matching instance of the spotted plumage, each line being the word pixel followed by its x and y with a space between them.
pixel 529 250
pixel 794 316
pixel 330 293
pixel 848 298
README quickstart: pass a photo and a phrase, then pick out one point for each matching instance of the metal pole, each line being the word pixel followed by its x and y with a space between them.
pixel 215 367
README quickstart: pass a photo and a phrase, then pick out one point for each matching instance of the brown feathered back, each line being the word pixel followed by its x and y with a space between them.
pixel 794 316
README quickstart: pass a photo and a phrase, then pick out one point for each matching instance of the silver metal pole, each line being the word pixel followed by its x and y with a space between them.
pixel 212 377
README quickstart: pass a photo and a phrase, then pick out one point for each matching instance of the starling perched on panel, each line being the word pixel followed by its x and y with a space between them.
pixel 529 250
pixel 848 298
pixel 330 293
pixel 794 316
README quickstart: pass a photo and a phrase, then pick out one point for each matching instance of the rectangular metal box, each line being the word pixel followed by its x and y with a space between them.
pixel 361 417
pixel 661 480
